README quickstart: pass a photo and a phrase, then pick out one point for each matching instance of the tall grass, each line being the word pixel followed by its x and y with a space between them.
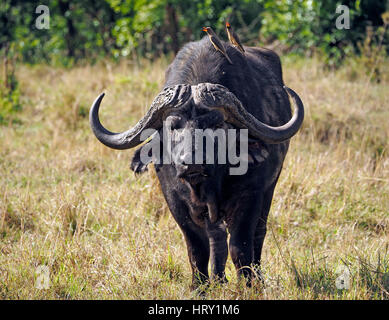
pixel 70 203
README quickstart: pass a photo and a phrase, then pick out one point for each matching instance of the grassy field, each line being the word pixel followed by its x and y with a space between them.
pixel 73 205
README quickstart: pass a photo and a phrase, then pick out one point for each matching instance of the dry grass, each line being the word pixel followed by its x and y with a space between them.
pixel 72 204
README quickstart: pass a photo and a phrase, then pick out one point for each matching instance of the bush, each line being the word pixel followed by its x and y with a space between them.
pixel 9 91
pixel 90 30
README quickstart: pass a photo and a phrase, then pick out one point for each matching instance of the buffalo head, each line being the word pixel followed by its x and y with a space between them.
pixel 183 108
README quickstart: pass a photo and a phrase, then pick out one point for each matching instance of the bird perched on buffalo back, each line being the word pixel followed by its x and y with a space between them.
pixel 216 42
pixel 233 37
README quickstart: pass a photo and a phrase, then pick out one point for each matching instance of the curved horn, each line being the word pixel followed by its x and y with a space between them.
pixel 167 99
pixel 218 96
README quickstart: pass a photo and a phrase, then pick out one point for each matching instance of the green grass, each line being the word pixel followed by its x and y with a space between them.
pixel 70 203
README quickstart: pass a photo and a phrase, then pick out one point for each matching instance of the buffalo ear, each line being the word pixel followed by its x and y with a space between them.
pixel 136 164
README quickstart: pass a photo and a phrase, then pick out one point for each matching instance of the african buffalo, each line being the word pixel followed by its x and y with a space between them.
pixel 204 91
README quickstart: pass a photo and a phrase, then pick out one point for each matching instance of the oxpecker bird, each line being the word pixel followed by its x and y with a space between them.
pixel 216 42
pixel 233 37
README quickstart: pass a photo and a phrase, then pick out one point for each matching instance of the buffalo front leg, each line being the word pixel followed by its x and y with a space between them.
pixel 217 235
pixel 241 251
pixel 259 238
pixel 198 251
pixel 260 231
pixel 242 233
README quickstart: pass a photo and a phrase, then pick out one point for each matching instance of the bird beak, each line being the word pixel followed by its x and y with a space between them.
pixel 228 24
pixel 205 29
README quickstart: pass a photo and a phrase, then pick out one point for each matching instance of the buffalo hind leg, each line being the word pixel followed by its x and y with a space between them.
pixel 217 235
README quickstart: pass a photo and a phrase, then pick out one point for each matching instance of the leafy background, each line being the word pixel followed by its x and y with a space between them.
pixel 110 28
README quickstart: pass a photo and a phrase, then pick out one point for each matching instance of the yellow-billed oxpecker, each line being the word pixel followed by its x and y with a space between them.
pixel 233 37
pixel 218 45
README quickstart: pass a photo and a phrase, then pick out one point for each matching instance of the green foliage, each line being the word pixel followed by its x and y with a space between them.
pixel 373 50
pixel 9 105
pixel 306 26
pixel 92 29
pixel 9 91
pixel 77 30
